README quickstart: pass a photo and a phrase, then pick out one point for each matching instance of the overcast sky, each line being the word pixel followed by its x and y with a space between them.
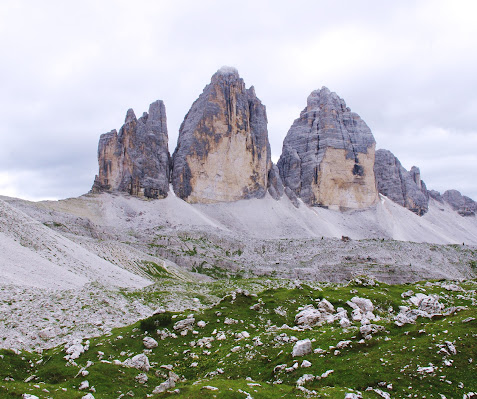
pixel 70 70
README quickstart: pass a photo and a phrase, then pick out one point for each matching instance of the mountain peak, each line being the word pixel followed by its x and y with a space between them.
pixel 130 116
pixel 228 70
pixel 137 159
pixel 223 153
pixel 328 155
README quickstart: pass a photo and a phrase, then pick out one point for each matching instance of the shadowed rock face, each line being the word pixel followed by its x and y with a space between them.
pixel 464 205
pixel 223 153
pixel 136 160
pixel 275 184
pixel 435 195
pixel 328 155
pixel 403 187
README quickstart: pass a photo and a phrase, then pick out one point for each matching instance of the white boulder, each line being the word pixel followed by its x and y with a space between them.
pixel 451 347
pixel 308 317
pixel 302 348
pixel 431 305
pixel 74 349
pixel 344 322
pixel 167 384
pixel 305 379
pixel 428 306
pixel 342 344
pixel 356 314
pixel 185 324
pixel 327 373
pixel 364 304
pixel 326 306
pixel 416 299
pixel 141 378
pixel 140 362
pixel 149 342
pixel 369 329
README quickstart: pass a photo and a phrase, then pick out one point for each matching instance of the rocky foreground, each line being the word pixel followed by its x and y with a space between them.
pixel 270 338
pixel 70 324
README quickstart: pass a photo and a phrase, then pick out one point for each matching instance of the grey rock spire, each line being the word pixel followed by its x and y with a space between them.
pixel 328 155
pixel 403 187
pixel 222 152
pixel 136 160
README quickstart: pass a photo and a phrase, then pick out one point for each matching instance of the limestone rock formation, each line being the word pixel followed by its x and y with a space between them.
pixel 435 195
pixel 328 155
pixel 464 205
pixel 403 187
pixel 136 160
pixel 275 184
pixel 223 153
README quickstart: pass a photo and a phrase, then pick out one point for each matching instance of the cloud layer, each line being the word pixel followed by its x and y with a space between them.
pixel 71 71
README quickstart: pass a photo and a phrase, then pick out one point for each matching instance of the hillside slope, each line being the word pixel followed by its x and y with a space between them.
pixel 265 237
pixel 264 218
pixel 62 261
pixel 36 255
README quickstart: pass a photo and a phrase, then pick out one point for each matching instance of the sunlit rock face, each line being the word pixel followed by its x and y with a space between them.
pixel 328 155
pixel 223 153
pixel 403 187
pixel 136 160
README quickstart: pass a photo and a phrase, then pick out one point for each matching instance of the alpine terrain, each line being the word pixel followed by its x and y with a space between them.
pixel 215 273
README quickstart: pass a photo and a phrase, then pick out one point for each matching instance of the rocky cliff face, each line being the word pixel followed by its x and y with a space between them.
pixel 275 184
pixel 223 153
pixel 435 195
pixel 464 205
pixel 399 185
pixel 136 160
pixel 328 155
